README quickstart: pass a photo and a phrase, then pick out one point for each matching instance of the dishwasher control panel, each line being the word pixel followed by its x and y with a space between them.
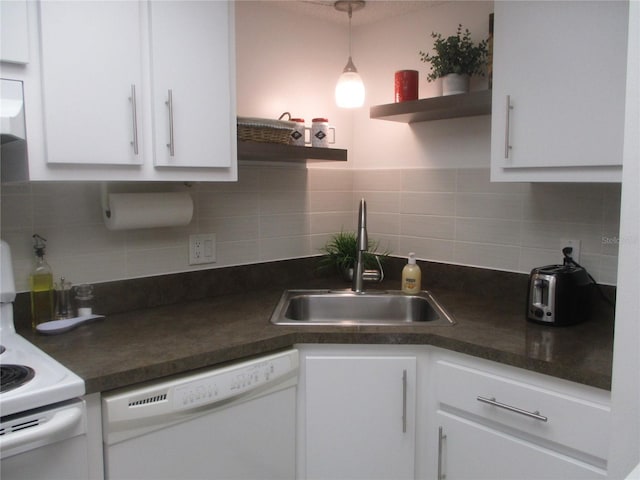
pixel 198 390
pixel 231 382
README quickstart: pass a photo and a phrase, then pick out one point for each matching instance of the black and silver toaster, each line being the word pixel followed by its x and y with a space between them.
pixel 559 295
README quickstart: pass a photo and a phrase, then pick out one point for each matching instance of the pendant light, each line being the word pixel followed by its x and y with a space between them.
pixel 349 89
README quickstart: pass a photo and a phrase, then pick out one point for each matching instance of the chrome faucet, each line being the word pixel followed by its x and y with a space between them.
pixel 360 275
pixel 362 245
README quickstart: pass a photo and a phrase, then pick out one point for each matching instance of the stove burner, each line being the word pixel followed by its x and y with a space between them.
pixel 13 376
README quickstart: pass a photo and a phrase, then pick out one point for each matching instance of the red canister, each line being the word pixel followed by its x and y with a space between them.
pixel 406 85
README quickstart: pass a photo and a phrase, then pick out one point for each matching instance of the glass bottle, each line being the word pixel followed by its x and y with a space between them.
pixel 41 285
pixel 84 299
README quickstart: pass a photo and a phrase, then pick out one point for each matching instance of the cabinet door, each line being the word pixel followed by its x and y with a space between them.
pixel 91 63
pixel 472 451
pixel 14 32
pixel 360 417
pixel 562 64
pixel 192 68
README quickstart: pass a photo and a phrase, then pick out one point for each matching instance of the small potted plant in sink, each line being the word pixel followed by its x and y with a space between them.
pixel 340 253
pixel 456 59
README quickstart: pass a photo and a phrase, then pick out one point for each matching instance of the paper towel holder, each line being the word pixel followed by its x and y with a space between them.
pixel 125 211
pixel 104 200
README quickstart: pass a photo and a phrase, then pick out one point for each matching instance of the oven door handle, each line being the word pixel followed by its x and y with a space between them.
pixel 63 424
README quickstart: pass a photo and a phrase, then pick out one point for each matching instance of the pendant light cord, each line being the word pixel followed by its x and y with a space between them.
pixel 350 14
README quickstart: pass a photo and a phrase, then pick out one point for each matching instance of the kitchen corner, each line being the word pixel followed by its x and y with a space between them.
pixel 201 319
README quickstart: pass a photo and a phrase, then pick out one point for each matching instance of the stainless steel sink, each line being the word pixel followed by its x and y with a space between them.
pixel 345 307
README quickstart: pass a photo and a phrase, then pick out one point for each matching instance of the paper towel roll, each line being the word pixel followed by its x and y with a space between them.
pixel 147 210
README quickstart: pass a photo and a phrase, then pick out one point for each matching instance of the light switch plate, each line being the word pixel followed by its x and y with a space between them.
pixel 202 248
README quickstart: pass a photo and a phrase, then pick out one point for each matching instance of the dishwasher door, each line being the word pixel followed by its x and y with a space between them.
pixel 236 422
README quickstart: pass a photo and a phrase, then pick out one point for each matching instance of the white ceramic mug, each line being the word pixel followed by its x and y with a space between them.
pixel 298 136
pixel 320 133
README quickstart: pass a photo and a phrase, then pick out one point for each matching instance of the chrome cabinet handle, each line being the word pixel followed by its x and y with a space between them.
pixel 494 402
pixel 169 103
pixel 404 401
pixel 134 111
pixel 507 134
pixel 441 439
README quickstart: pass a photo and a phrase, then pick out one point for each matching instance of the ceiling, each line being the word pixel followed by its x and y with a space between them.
pixel 374 10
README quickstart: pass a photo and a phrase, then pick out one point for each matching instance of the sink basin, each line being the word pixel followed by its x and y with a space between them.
pixel 345 307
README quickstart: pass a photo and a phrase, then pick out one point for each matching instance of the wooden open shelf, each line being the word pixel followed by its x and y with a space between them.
pixel 435 108
pixel 276 152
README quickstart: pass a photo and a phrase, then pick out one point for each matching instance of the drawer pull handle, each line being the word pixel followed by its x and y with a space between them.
pixel 169 103
pixel 507 133
pixel 441 438
pixel 134 112
pixel 404 401
pixel 492 401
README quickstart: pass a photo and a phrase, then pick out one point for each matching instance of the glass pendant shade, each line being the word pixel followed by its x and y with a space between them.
pixel 350 89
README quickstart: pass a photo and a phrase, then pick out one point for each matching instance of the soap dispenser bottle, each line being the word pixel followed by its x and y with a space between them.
pixel 41 284
pixel 411 276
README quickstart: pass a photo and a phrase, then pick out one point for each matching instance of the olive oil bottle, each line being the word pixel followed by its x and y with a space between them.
pixel 41 284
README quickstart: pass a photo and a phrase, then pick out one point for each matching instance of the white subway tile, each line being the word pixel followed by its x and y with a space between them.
pixel 284 247
pixel 488 230
pixel 489 205
pixel 279 202
pixel 335 201
pixel 427 203
pixel 328 223
pixel 227 204
pixel 501 257
pixel 322 179
pixel 229 229
pixel 283 178
pixel 377 180
pixel 237 253
pixel 284 225
pixel 429 180
pixel 428 226
pixel 426 248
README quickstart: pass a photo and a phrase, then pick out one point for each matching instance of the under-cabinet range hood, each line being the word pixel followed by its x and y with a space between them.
pixel 13 137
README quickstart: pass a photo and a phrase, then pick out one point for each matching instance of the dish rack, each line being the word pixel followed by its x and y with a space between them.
pixel 265 130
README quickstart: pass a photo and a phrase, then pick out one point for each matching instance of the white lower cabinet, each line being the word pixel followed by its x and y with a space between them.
pixel 494 421
pixel 358 413
pixel 473 451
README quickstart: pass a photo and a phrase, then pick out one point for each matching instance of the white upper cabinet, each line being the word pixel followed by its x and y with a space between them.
pixel 108 71
pixel 558 90
pixel 91 63
pixel 14 32
pixel 192 92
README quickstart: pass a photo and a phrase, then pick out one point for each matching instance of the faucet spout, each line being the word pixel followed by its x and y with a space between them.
pixel 362 245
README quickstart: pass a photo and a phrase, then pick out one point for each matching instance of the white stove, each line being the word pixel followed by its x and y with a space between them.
pixel 42 417
pixel 50 381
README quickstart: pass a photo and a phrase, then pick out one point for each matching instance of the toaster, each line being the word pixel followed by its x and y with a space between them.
pixel 559 295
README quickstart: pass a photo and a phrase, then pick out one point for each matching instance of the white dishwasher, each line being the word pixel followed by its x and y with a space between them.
pixel 233 422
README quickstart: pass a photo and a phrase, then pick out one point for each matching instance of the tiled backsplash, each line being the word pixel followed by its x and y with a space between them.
pixel 274 212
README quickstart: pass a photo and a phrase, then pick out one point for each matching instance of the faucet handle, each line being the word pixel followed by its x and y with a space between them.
pixel 374 275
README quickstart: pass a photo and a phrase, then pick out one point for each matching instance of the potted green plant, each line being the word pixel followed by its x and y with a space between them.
pixel 456 59
pixel 340 253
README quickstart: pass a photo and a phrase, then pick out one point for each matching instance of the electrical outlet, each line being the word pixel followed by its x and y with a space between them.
pixel 202 248
pixel 575 245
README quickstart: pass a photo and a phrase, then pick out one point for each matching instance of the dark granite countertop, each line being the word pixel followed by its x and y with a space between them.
pixel 151 342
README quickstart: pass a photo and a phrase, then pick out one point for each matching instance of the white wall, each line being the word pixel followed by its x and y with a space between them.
pixel 382 48
pixel 290 63
pixel 427 185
